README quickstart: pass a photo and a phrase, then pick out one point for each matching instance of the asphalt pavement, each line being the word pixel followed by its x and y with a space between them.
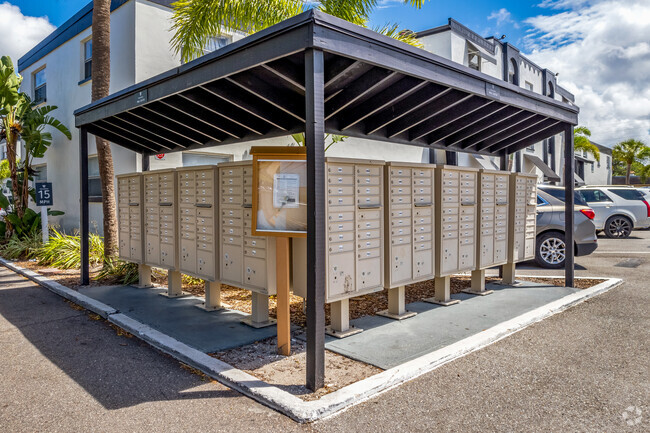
pixel 586 369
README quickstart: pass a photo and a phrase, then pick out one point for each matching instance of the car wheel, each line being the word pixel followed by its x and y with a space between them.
pixel 551 250
pixel 618 227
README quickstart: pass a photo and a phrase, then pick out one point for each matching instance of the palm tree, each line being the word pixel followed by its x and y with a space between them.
pixel 581 142
pixel 101 79
pixel 196 21
pixel 629 152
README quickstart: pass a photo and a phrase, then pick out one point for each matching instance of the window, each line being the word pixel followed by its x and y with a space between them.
pixel 628 194
pixel 192 159
pixel 607 161
pixel 94 184
pixel 594 195
pixel 541 201
pixel 40 86
pixel 531 148
pixel 558 193
pixel 513 76
pixel 598 162
pixel 529 86
pixel 88 59
pixel 593 167
pixel 473 58
pixel 41 173
pixel 551 91
pixel 216 42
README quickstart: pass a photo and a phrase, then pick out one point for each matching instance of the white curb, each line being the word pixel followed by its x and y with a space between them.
pixel 337 401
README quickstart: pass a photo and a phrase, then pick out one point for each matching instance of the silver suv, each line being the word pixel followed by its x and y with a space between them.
pixel 619 209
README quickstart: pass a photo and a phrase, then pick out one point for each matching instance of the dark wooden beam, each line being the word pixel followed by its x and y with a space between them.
pixel 464 122
pixel 537 137
pixel 404 107
pixel 494 121
pixel 427 111
pixel 316 269
pixel 340 72
pixel 252 105
pixel 121 139
pixel 503 130
pixel 292 74
pixel 357 113
pixel 135 134
pixel 84 211
pixel 569 212
pixel 179 116
pixel 357 90
pixel 290 104
pixel 525 134
pixel 153 128
pixel 447 116
pixel 167 122
pixel 207 117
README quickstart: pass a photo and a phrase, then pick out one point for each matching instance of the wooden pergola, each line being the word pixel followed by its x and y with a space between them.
pixel 318 74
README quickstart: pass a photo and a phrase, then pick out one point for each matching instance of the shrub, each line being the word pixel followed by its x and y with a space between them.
pixel 64 251
pixel 124 272
pixel 22 247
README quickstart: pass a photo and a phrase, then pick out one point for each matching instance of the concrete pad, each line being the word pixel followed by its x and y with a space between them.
pixel 180 319
pixel 386 343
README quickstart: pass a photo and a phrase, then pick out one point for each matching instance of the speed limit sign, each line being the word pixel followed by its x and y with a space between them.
pixel 44 194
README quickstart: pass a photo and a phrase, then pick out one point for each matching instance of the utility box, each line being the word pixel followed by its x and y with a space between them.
pixel 247 261
pixel 160 219
pixel 456 211
pixel 410 223
pixel 522 217
pixel 198 212
pixel 492 245
pixel 355 227
pixel 130 217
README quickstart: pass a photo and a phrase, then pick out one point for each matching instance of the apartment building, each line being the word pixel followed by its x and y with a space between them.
pixel 57 72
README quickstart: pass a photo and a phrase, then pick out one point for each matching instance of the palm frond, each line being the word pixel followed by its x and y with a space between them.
pixel 393 31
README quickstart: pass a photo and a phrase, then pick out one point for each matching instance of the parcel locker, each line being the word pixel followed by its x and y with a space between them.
pixel 355 227
pixel 198 212
pixel 492 223
pixel 247 261
pixel 160 219
pixel 523 217
pixel 410 223
pixel 130 217
pixel 456 213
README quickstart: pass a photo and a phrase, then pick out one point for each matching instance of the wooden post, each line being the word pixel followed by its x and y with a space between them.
pixel 83 205
pixel 569 180
pixel 283 270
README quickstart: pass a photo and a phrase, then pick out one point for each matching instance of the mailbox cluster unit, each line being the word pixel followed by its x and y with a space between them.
pixel 130 217
pixel 410 227
pixel 160 220
pixel 247 261
pixel 492 245
pixel 523 217
pixel 198 213
pixel 457 212
pixel 355 219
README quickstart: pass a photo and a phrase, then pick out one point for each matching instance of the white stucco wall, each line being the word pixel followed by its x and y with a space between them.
pixel 153 53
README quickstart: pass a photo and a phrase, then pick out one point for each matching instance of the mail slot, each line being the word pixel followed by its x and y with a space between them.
pixel 522 217
pixel 132 231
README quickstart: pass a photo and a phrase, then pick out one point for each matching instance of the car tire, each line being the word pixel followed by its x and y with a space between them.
pixel 618 227
pixel 550 250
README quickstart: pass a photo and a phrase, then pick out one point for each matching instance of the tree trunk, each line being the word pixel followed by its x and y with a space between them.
pixel 12 140
pixel 101 79
pixel 627 174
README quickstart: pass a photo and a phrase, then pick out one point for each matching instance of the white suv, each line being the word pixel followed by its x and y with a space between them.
pixel 619 209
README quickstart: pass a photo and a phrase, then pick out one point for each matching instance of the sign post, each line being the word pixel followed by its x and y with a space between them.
pixel 44 199
pixel 280 209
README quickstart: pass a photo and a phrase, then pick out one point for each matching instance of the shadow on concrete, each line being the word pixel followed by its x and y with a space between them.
pixel 115 370
pixel 531 264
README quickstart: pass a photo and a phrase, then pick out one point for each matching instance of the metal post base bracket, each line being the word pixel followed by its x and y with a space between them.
pixel 144 277
pixel 342 334
pixel 405 315
pixel 478 292
pixel 443 303
pixel 175 295
pixel 249 321
pixel 212 307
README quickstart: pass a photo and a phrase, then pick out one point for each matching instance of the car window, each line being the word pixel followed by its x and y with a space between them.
pixel 627 194
pixel 558 193
pixel 541 201
pixel 594 195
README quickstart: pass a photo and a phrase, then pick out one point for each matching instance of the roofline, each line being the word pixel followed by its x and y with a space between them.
pixel 603 149
pixel 468 33
pixel 66 31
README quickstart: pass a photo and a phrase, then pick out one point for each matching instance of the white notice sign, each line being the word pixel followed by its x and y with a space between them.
pixel 286 190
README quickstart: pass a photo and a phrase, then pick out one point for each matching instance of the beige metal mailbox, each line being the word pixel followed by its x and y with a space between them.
pixel 456 213
pixel 491 245
pixel 355 220
pixel 523 222
pixel 246 261
pixel 409 231
pixel 130 217
pixel 161 226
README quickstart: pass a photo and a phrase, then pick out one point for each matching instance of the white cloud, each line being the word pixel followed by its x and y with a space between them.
pixel 19 33
pixel 601 50
pixel 502 16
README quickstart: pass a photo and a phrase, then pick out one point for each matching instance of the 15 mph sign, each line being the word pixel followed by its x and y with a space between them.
pixel 44 194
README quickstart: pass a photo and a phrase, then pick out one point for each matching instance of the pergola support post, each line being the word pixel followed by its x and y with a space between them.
pixel 569 179
pixel 503 166
pixel 144 271
pixel 315 144
pixel 84 225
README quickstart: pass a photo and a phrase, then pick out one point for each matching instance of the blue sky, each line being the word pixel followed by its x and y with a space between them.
pixel 474 14
pixel 600 48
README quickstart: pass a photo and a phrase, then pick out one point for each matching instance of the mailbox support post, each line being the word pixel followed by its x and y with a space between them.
pixel 259 317
pixel 478 284
pixel 85 222
pixel 503 166
pixel 397 305
pixel 340 320
pixel 212 295
pixel 442 294
pixel 144 276
pixel 316 227
pixel 174 284
pixel 569 180
pixel 508 276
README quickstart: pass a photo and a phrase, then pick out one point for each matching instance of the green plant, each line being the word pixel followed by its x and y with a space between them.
pixel 23 226
pixel 629 153
pixel 64 251
pixel 581 142
pixel 124 272
pixel 24 247
pixel 299 138
pixel 197 21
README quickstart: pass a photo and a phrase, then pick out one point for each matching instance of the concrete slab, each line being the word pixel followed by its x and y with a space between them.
pixel 180 319
pixel 386 343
